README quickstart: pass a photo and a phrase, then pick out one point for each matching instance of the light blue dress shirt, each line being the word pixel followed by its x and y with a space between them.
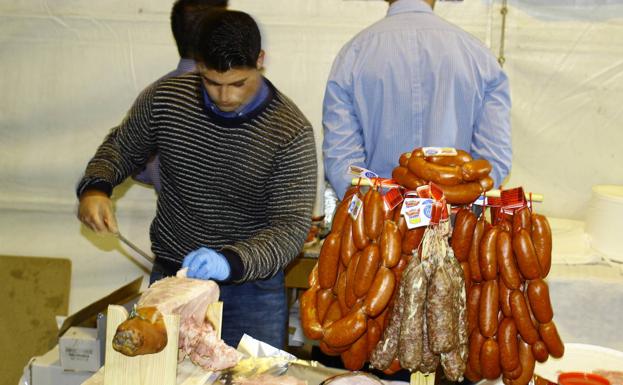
pixel 411 80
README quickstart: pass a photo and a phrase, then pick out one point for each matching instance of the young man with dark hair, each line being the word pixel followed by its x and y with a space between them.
pixel 238 170
pixel 185 16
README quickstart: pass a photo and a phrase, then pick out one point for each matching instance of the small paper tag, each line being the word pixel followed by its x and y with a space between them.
pixel 480 201
pixel 439 151
pixel 393 198
pixel 362 172
pixel 417 211
pixel 354 207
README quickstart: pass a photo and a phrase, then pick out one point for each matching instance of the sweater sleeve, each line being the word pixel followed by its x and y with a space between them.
pixel 124 149
pixel 292 191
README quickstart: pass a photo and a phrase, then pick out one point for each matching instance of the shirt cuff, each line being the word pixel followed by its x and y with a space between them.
pixel 235 264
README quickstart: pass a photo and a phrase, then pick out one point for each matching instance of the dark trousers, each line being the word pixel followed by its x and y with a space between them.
pixel 257 308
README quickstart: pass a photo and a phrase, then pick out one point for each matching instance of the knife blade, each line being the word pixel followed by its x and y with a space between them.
pixel 138 250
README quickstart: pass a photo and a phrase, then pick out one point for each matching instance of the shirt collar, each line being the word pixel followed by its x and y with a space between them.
pixel 402 6
pixel 185 65
pixel 260 97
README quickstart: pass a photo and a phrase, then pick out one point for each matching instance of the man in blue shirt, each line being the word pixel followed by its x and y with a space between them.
pixel 185 15
pixel 411 80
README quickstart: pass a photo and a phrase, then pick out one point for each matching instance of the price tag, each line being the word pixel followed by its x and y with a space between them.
pixel 354 207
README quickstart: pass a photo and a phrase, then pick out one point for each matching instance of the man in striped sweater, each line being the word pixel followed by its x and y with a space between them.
pixel 238 174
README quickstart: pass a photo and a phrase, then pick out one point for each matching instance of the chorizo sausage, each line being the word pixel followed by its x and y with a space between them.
pixel 333 314
pixel 526 361
pixel 490 359
pixel 462 234
pixel 351 271
pixel 373 332
pixel 324 299
pixel 488 254
pixel 473 307
pixel 486 183
pixel 505 225
pixel 521 315
pixel 474 251
pixel 444 175
pixel 521 220
pixel 540 352
pixel 538 297
pixel 412 322
pixel 541 235
pixel 359 232
pixel 341 213
pixel 467 279
pixel 355 357
pixel 346 330
pixel 347 246
pixel 441 315
pixel 459 159
pixel 509 351
pixel 526 255
pixel 505 294
pixel 404 159
pixel 380 292
pixel 367 267
pixel 390 244
pixel 488 309
pixel 461 194
pixel 476 340
pixel 412 240
pixel 309 313
pixel 341 292
pixel 475 170
pixel 329 351
pixel 549 335
pixel 506 261
pixel 328 260
pixel 406 178
pixel 373 214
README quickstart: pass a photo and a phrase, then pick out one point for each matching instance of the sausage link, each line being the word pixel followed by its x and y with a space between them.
pixel 486 183
pixel 490 359
pixel 412 240
pixel 476 340
pixel 347 245
pixel 346 330
pixel 506 261
pixel 540 352
pixel 373 331
pixel 538 297
pixel 329 351
pixel 404 177
pixel 309 313
pixel 328 260
pixel 526 361
pixel 441 317
pixel 463 193
pixel 459 159
pixel 359 232
pixel 367 267
pixel 412 321
pixel 521 315
pixel 355 357
pixel 473 307
pixel 526 255
pixel 462 233
pixel 474 251
pixel 512 374
pixel 324 299
pixel 380 292
pixel 541 235
pixel 443 175
pixel 341 213
pixel 467 275
pixel 475 170
pixel 430 360
pixel 521 220
pixel 341 292
pixel 488 254
pixel 351 271
pixel 549 335
pixel 390 244
pixel 488 309
pixel 505 294
pixel 333 314
pixel 507 339
pixel 373 214
pixel 404 159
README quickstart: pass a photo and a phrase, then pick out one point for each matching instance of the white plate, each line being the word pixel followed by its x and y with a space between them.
pixel 577 358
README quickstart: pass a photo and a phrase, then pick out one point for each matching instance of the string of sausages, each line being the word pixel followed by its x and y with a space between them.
pixel 509 312
pixel 461 178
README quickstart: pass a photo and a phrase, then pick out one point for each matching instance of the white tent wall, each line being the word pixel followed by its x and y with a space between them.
pixel 70 69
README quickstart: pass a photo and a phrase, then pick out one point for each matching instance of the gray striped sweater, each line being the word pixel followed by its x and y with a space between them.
pixel 244 186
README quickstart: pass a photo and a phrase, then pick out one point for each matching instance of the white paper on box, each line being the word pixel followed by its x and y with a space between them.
pixel 47 370
pixel 80 350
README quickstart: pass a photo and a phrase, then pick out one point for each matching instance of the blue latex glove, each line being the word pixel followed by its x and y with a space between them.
pixel 205 263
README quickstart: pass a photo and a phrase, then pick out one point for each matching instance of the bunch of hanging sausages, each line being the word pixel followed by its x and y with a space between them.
pixel 359 307
pixel 509 312
pixel 461 178
pixel 355 279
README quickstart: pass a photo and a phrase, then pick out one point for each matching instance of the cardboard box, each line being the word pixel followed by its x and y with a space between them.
pixel 47 370
pixel 80 349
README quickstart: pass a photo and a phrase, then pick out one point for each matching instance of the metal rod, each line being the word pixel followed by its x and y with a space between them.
pixel 135 248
